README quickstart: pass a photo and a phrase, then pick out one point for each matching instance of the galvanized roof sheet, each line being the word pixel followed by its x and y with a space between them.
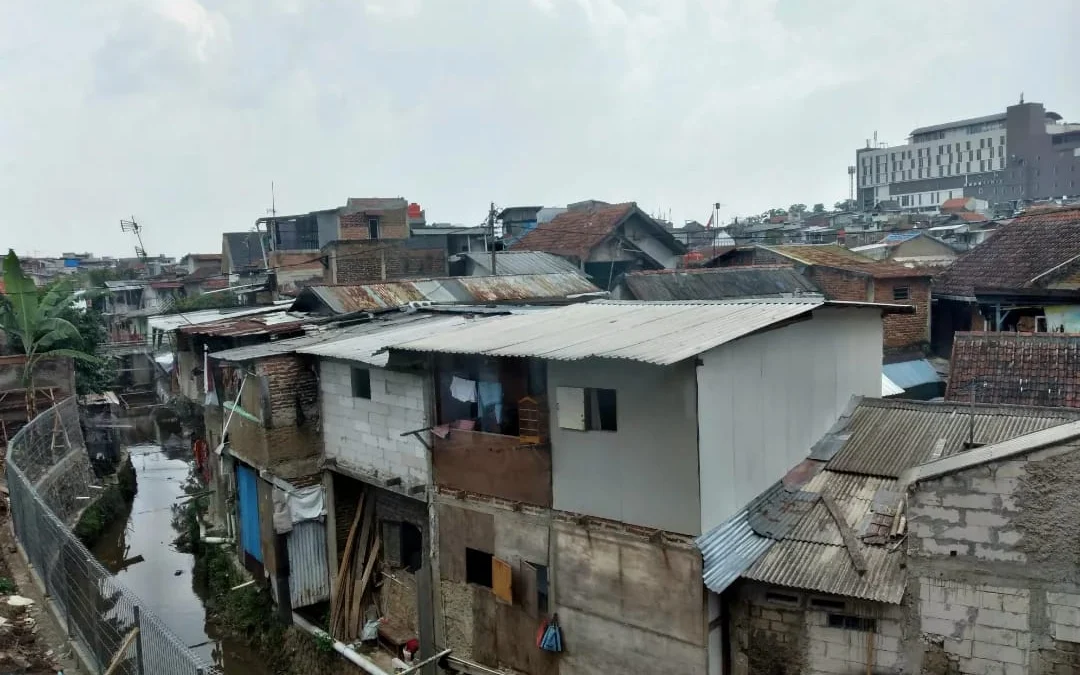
pixel 661 333
pixel 370 346
pixel 730 548
pixel 908 374
pixel 719 283
pixel 888 387
pixel 885 437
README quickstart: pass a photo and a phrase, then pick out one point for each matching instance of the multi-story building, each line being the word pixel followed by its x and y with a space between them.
pixel 1023 153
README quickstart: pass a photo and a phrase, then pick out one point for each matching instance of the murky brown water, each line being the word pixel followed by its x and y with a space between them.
pixel 148 532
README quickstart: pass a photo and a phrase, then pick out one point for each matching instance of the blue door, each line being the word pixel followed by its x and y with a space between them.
pixel 247 488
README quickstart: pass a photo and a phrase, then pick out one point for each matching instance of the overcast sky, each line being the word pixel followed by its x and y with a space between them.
pixel 181 112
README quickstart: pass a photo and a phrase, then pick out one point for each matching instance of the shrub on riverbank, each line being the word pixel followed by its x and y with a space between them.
pixel 110 506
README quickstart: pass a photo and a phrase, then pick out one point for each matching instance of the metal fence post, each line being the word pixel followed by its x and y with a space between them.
pixel 138 642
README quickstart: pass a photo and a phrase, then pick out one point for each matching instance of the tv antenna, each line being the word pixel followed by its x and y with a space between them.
pixel 134 227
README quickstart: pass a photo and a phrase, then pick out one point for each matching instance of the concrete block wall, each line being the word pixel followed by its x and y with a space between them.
pixel 970 514
pixel 797 638
pixel 992 563
pixel 365 434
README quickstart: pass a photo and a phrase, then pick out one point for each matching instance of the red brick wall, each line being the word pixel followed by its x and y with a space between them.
pixel 393 224
pixel 905 330
pixel 840 285
pixel 358 262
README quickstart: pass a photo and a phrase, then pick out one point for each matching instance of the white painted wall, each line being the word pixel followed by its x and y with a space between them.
pixel 764 400
pixel 365 434
pixel 646 472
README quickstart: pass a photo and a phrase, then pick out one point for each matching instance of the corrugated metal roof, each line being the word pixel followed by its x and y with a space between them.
pixel 660 333
pixel 394 294
pixel 730 548
pixel 885 437
pixel 170 322
pixel 522 262
pixel 888 387
pixel 993 452
pixel 813 556
pixel 719 283
pixel 828 569
pixel 266 324
pixel 908 374
pixel 369 347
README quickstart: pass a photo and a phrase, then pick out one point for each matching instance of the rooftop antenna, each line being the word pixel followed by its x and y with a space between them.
pixel 273 202
pixel 134 227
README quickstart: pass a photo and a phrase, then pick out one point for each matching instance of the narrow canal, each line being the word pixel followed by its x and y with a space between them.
pixel 139 550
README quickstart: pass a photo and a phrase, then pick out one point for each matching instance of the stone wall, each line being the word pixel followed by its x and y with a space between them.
pixel 364 435
pixel 994 579
pixel 788 632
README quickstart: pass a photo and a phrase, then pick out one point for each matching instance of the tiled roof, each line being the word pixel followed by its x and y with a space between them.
pixel 1020 368
pixel 885 437
pixel 576 232
pixel 971 217
pixel 954 203
pixel 1017 256
pixel 719 283
pixel 838 257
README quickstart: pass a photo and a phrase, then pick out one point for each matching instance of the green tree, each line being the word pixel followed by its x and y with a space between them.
pixel 819 208
pixel 797 209
pixel 34 323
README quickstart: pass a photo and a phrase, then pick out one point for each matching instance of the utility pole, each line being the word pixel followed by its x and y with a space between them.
pixel 491 235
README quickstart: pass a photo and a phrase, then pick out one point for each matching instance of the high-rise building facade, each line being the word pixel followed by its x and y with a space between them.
pixel 1022 153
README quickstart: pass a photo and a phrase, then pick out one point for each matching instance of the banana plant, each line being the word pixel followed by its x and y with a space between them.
pixel 33 325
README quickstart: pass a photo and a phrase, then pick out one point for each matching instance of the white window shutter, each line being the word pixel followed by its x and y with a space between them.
pixel 570 407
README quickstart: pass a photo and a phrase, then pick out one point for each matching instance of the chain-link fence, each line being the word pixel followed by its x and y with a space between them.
pixel 50 481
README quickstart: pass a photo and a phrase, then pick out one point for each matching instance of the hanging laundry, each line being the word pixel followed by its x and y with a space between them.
pixel 463 390
pixel 490 400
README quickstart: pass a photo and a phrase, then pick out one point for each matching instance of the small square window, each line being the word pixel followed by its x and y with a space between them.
pixel 361 383
pixel 601 410
pixel 901 293
pixel 478 567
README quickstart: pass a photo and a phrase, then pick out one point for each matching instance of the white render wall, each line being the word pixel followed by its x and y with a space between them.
pixel 764 400
pixel 365 434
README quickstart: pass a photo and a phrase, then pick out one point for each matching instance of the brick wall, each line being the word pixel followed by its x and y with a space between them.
pixel 905 330
pixel 366 261
pixel 365 434
pixel 393 224
pixel 840 284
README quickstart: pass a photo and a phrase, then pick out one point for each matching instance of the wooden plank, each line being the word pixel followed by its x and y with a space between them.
pixel 502 579
pixel 368 569
pixel 360 556
pixel 118 658
pixel 335 604
pixel 850 542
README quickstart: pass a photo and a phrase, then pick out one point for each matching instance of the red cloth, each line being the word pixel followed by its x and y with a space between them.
pixel 412 646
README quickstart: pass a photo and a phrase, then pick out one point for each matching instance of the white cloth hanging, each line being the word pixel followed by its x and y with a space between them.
pixel 463 390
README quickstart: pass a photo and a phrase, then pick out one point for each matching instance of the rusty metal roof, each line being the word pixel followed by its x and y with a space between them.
pixel 838 257
pixel 454 290
pixel 885 437
pixel 276 323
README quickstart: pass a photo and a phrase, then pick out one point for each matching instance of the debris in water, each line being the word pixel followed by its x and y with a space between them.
pixel 19 601
pixel 178 573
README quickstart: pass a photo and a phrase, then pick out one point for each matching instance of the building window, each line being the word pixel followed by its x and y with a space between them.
pixel 958 168
pixel 782 599
pixel 982 165
pixel 540 574
pixel 991 152
pixel 978 154
pixel 969 167
pixel 601 410
pixel 901 293
pixel 968 145
pixel 412 547
pixel 478 567
pixel 373 228
pixel 361 383
pixel 848 622
pixel 940 171
pixel 1001 140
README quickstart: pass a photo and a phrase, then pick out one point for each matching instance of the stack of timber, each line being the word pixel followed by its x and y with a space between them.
pixel 355 587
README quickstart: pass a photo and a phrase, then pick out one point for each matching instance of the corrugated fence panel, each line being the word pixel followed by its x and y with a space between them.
pixel 309 575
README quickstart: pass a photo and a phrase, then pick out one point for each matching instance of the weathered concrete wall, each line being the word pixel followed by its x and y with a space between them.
pixel 993 560
pixel 770 635
pixel 626 604
pixel 365 434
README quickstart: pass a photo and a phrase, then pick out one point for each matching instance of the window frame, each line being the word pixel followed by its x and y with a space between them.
pixel 358 387
pixel 901 293
pixel 374 225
